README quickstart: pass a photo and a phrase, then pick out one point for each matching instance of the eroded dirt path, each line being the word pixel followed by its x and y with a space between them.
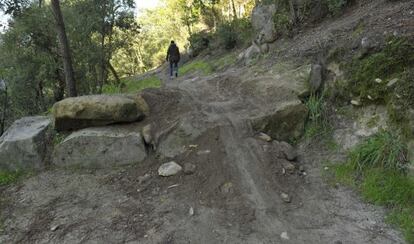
pixel 235 192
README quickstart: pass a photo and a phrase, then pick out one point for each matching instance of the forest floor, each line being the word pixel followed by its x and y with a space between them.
pixel 235 193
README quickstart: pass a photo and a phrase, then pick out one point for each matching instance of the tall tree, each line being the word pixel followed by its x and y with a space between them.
pixel 65 49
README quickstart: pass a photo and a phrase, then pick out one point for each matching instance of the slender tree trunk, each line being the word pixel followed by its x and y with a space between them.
pixel 3 117
pixel 65 49
pixel 113 71
pixel 233 6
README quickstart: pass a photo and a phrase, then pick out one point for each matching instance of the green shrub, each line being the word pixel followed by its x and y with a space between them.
pixel 383 150
pixel 392 62
pixel 318 119
pixel 9 177
pixel 199 42
pixel 376 168
pixel 233 33
pixel 228 35
pixel 282 22
pixel 336 6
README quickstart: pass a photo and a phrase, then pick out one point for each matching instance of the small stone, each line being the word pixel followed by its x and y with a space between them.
pixel 289 167
pixel 192 146
pixel 370 98
pixel 304 174
pixel 285 197
pixel 189 168
pixel 191 211
pixel 356 103
pixel 326 168
pixel 203 152
pixel 264 137
pixel 227 188
pixel 54 228
pixel 284 236
pixel 142 179
pixel 169 169
pixel 288 150
pixel 392 82
pixel 147 134
pixel 378 80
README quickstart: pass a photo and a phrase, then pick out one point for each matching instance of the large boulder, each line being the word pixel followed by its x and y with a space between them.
pixel 25 144
pixel 100 147
pixel 262 22
pixel 95 110
pixel 286 123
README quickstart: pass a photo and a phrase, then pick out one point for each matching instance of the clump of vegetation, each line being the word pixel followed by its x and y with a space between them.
pixel 369 76
pixel 282 22
pixel 383 150
pixel 199 65
pixel 9 177
pixel 132 85
pixel 318 121
pixel 233 33
pixel 376 167
pixel 335 7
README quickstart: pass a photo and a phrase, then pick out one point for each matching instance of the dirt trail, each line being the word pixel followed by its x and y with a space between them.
pixel 235 192
pixel 236 189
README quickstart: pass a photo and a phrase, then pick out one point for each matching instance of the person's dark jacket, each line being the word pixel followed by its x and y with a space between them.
pixel 173 54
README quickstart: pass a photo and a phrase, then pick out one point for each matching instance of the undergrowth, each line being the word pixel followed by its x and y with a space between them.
pixel 199 65
pixel 132 85
pixel 369 76
pixel 9 177
pixel 318 119
pixel 377 168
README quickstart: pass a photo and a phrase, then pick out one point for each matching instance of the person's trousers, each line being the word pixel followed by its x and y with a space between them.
pixel 173 68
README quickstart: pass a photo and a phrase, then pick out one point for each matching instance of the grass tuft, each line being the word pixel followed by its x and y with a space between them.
pixel 9 177
pixel 383 150
pixel 318 120
pixel 376 167
pixel 132 85
pixel 201 66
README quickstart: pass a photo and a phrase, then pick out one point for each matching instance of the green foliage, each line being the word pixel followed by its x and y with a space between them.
pixel 336 6
pixel 199 42
pixel 9 177
pixel 318 120
pixel 282 22
pixel 233 33
pixel 374 167
pixel 199 65
pixel 383 150
pixel 132 85
pixel 392 62
pixel 228 35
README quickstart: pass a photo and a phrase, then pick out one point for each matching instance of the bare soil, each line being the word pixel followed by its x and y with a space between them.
pixel 235 191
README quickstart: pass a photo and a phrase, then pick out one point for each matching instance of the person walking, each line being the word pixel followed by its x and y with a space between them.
pixel 173 56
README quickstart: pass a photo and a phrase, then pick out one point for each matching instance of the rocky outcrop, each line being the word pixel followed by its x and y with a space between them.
pixel 264 29
pixel 262 22
pixel 100 147
pixel 284 124
pixel 96 110
pixel 25 144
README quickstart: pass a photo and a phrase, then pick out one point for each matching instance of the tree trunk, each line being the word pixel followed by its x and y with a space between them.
pixel 113 71
pixel 3 117
pixel 233 6
pixel 65 49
